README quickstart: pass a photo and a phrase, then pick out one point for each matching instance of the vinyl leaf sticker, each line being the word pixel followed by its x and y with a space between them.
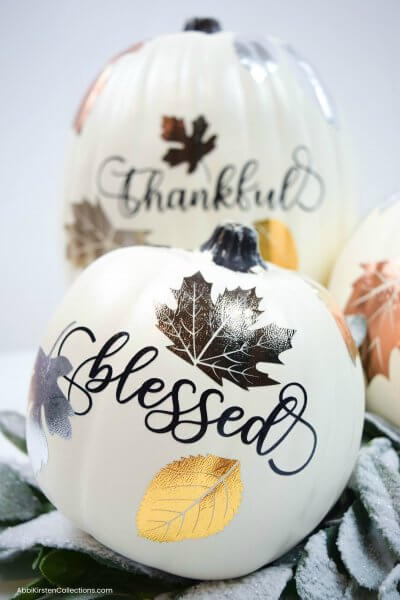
pixel 337 314
pixel 277 244
pixel 190 498
pixel 97 87
pixel 91 234
pixel 220 339
pixel 192 147
pixel 376 296
pixel 45 393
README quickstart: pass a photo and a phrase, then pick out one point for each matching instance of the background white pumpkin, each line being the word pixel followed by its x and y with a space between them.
pixel 366 281
pixel 188 129
pixel 258 342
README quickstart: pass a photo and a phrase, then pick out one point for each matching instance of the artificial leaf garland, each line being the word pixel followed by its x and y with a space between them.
pixel 338 561
pixel 317 574
pixel 379 487
pixel 219 338
pixel 18 501
pixel 389 589
pixel 363 549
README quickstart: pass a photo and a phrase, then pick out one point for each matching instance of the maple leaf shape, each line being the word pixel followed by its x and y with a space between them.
pixel 220 339
pixel 376 296
pixel 91 234
pixel 193 148
pixel 45 393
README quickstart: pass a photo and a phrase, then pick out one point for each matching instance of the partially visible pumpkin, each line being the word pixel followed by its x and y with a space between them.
pixel 187 406
pixel 366 281
pixel 189 129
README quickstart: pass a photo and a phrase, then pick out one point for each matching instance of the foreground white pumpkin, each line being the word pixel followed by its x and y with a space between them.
pixel 366 281
pixel 189 406
pixel 188 129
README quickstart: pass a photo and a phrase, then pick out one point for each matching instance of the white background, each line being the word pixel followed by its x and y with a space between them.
pixel 51 50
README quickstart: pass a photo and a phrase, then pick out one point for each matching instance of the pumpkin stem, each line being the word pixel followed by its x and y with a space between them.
pixel 204 24
pixel 235 247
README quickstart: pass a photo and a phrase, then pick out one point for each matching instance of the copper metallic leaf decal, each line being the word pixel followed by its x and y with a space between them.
pixel 97 87
pixel 190 498
pixel 376 296
pixel 337 314
pixel 46 394
pixel 191 148
pixel 277 244
pixel 92 234
pixel 221 338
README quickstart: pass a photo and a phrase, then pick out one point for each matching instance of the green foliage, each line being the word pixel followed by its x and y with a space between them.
pixel 18 501
pixel 379 487
pixel 363 549
pixel 12 426
pixel 352 555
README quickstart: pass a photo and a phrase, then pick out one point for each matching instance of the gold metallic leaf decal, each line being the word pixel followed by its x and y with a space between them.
pixel 276 243
pixel 376 296
pixel 190 498
pixel 337 314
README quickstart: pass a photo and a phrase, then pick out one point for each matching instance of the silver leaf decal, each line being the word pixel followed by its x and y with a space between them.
pixel 311 83
pixel 256 56
pixel 358 327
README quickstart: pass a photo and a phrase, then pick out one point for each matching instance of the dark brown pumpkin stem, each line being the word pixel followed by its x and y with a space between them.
pixel 235 247
pixel 204 24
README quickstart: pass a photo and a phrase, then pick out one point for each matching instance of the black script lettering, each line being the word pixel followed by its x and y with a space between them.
pixel 223 189
pixel 246 173
pixel 180 409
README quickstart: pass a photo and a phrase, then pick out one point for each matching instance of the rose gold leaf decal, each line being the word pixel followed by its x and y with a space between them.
pixel 337 314
pixel 97 87
pixel 376 295
pixel 191 498
pixel 191 148
pixel 277 244
pixel 91 234
pixel 220 339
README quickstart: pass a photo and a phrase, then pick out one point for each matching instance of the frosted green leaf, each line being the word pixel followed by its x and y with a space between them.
pixel 12 426
pixel 355 592
pixel 265 583
pixel 317 576
pixel 378 426
pixel 53 530
pixel 17 500
pixel 363 549
pixel 379 487
pixel 390 588
pixel 382 448
pixel 291 557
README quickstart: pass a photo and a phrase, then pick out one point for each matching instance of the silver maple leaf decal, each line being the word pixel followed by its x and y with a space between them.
pixel 219 338
pixel 47 400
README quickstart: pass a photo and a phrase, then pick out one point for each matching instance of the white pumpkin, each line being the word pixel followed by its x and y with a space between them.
pixel 187 406
pixel 185 130
pixel 366 281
